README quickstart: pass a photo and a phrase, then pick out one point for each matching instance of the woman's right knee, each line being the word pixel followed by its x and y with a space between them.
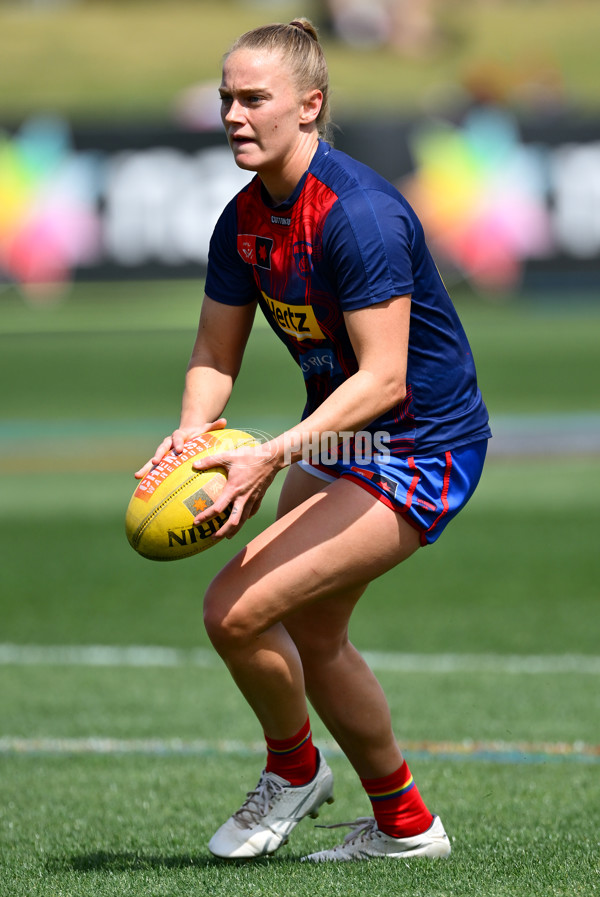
pixel 226 624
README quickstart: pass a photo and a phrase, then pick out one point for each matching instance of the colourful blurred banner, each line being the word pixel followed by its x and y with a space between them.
pixel 49 221
pixel 482 197
pixel 501 201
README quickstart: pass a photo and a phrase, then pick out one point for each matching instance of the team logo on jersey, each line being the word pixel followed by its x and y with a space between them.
pixel 303 258
pixel 255 250
pixel 298 321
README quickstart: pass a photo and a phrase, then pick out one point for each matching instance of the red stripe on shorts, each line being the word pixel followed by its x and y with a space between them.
pixel 445 490
pixel 383 498
pixel 372 490
pixel 414 483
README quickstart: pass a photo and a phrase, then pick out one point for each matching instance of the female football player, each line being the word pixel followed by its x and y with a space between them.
pixel 389 448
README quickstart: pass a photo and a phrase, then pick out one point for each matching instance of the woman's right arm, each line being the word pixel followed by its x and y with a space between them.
pixel 223 332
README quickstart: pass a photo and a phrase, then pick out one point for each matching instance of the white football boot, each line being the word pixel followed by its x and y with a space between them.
pixel 366 842
pixel 270 812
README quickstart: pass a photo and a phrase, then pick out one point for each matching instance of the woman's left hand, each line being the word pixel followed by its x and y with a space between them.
pixel 250 472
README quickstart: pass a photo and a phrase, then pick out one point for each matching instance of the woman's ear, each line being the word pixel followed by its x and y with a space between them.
pixel 311 107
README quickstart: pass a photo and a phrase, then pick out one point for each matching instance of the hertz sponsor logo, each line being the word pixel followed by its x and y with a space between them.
pixel 298 321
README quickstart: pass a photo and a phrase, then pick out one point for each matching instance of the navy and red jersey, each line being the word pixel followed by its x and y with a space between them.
pixel 347 239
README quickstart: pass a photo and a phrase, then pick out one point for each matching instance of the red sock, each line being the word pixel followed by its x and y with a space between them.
pixel 397 805
pixel 294 759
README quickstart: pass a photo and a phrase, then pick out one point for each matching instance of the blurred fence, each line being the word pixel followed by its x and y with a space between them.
pixel 505 203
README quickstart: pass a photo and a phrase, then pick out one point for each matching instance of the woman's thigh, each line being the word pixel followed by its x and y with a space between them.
pixel 332 543
pixel 297 487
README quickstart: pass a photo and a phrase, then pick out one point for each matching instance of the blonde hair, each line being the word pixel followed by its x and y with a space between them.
pixel 299 44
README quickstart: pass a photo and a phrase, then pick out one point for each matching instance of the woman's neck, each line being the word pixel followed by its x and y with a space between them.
pixel 281 181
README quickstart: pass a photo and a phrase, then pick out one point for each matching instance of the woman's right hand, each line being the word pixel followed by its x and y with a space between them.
pixel 176 442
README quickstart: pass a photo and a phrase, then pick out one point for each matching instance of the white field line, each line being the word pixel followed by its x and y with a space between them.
pixel 156 656
pixel 493 751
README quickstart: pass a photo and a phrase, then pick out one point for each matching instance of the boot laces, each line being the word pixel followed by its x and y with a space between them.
pixel 258 802
pixel 363 829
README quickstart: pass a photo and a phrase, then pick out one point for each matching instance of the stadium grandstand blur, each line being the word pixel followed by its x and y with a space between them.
pixel 112 150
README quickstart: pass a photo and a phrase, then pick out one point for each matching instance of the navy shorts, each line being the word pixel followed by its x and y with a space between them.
pixel 427 491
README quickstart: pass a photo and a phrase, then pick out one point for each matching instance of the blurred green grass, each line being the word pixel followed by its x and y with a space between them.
pixel 130 703
pixel 533 356
pixel 521 579
pixel 96 381
pixel 113 59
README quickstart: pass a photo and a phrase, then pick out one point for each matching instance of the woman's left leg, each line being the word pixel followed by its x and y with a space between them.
pixel 328 548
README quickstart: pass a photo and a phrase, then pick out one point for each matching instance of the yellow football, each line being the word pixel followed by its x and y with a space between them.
pixel 160 517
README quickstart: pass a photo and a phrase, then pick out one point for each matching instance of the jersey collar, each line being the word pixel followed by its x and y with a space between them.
pixel 322 149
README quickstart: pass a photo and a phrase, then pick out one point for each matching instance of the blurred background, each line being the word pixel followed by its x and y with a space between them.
pixel 113 170
pixel 486 113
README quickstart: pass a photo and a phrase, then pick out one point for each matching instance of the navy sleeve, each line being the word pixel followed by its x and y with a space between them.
pixel 228 280
pixel 368 239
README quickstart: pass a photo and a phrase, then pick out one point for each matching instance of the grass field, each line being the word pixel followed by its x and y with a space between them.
pixel 123 743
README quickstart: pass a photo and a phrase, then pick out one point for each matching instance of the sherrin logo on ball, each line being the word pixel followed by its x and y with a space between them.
pixel 160 517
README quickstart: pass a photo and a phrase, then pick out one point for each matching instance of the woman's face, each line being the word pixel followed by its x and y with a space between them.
pixel 261 111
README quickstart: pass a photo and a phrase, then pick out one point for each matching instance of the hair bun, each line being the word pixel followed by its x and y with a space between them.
pixel 307 26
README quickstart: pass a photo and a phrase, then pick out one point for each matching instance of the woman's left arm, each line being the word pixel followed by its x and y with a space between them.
pixel 379 336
